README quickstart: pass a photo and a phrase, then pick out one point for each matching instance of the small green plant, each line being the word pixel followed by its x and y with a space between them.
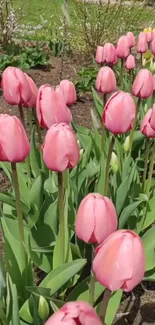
pixel 86 79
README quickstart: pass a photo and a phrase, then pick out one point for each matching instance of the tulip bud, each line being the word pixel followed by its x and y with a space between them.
pixel 145 108
pixel 143 84
pixel 34 90
pixel 96 218
pixel 152 66
pixel 51 107
pixel 120 262
pixel 109 54
pixel 131 39
pixel 126 145
pixel 75 313
pixel 60 148
pixel 43 308
pixel 106 80
pixel 123 48
pixel 130 63
pixel 119 113
pixel 142 45
pixel 14 143
pixel 114 162
pixel 68 90
pixel 99 55
pixel 146 128
pixel 16 88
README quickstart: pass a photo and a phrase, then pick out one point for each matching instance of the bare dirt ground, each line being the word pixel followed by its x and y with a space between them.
pixel 137 310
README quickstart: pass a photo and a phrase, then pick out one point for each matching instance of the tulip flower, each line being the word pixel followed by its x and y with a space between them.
pixel 152 118
pixel 143 84
pixel 14 143
pixel 99 54
pixel 153 34
pixel 119 262
pixel 68 90
pixel 130 63
pixel 60 148
pixel 131 39
pixel 148 32
pixel 34 90
pixel 51 107
pixel 74 313
pixel 119 113
pixel 146 128
pixel 153 46
pixel 123 48
pixel 109 54
pixel 16 88
pixel 96 218
pixel 106 80
pixel 142 45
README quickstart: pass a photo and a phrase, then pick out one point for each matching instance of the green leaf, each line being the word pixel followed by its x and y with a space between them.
pixel 150 275
pixel 150 216
pixel 10 199
pixel 121 194
pixel 35 160
pixel 36 192
pixel 127 212
pixel 12 302
pixel 2 279
pixel 101 179
pixel 149 247
pixel 98 103
pixel 81 291
pixel 113 307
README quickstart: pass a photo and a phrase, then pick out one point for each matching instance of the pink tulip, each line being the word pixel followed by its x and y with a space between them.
pixel 153 82
pixel 51 107
pixel 119 113
pixel 131 39
pixel 119 262
pixel 99 55
pixel 143 84
pixel 122 48
pixel 106 80
pixel 142 45
pixel 74 313
pixel 149 37
pixel 130 63
pixel 153 34
pixel 153 46
pixel 109 54
pixel 14 143
pixel 152 118
pixel 96 218
pixel 68 90
pixel 16 89
pixel 146 128
pixel 60 149
pixel 34 90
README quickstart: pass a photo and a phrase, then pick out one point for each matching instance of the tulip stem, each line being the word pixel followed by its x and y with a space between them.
pixel 106 187
pixel 61 214
pixel 150 171
pixel 37 126
pixel 141 60
pixel 21 112
pixel 29 119
pixel 104 304
pixel 20 217
pixel 92 283
pixel 145 163
pixel 104 99
pixel 131 136
pixel 122 72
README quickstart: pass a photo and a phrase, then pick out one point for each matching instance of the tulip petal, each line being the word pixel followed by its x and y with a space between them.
pixel 85 219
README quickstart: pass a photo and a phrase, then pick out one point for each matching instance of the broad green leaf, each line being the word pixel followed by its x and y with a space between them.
pixel 112 308
pixel 36 192
pixel 13 308
pixel 35 160
pixel 150 216
pixel 127 212
pixel 98 103
pixel 101 179
pixel 149 247
pixel 150 275
pixel 10 199
pixel 2 279
pixel 7 169
pixel 121 194
pixel 138 142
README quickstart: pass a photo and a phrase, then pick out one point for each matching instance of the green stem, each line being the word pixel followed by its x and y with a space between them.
pixel 92 283
pixel 61 214
pixel 153 98
pixel 122 72
pixel 106 187
pixel 103 136
pixel 29 118
pixel 148 186
pixel 146 163
pixel 37 126
pixel 131 136
pixel 21 112
pixel 20 217
pixel 28 165
pixel 104 304
pixel 141 60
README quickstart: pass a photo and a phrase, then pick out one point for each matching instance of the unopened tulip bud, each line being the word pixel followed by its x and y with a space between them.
pixel 126 144
pixel 142 45
pixel 114 162
pixel 152 66
pixel 123 48
pixel 109 54
pixel 131 39
pixel 68 89
pixel 106 80
pixel 130 63
pixel 145 108
pixel 99 55
pixel 96 218
pixel 34 90
pixel 43 308
pixel 146 128
pixel 120 262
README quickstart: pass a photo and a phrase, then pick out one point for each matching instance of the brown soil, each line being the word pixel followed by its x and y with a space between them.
pixel 136 310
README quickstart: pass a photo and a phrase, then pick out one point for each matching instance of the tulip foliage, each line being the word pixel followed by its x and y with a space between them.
pixel 78 218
